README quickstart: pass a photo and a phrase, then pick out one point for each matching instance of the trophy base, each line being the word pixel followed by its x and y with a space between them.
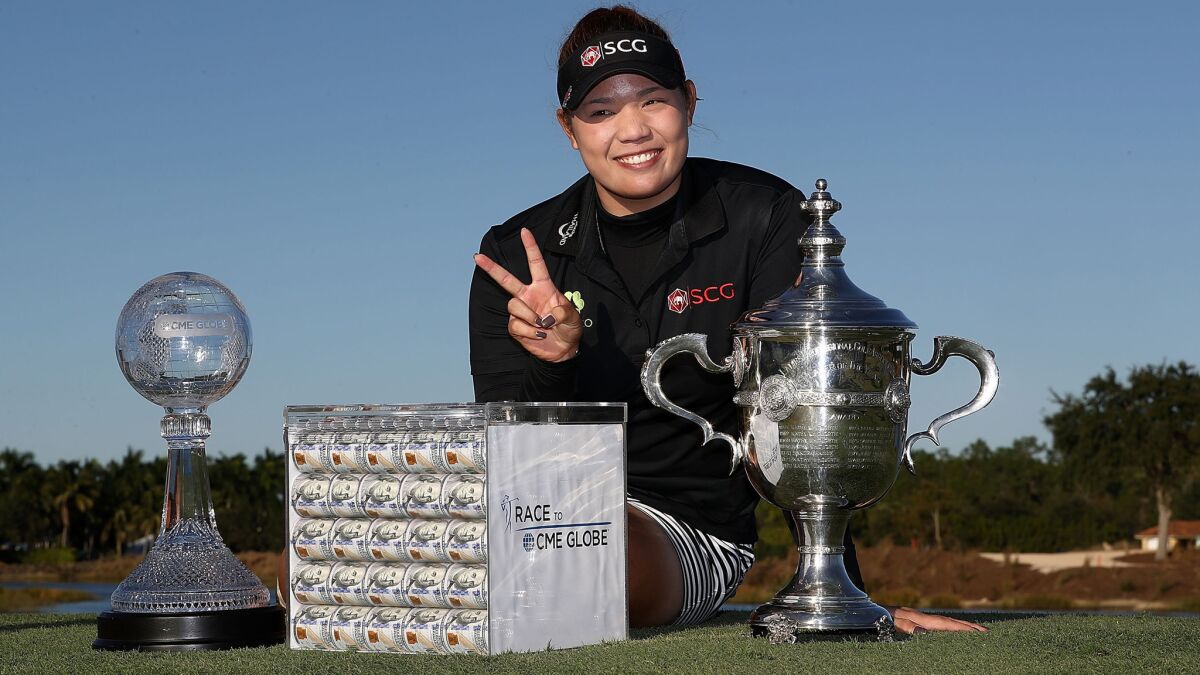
pixel 192 631
pixel 831 619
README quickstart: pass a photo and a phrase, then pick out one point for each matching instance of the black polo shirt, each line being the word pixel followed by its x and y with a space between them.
pixel 732 246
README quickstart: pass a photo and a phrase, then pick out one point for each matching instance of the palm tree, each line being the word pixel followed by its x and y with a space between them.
pixel 132 496
pixel 21 479
pixel 72 493
pixel 129 522
pixel 116 527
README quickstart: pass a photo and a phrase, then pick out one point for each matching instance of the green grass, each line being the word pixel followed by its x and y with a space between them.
pixel 1057 643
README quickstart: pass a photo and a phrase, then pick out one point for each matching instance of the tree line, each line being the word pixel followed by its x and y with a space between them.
pixel 1125 454
pixel 97 508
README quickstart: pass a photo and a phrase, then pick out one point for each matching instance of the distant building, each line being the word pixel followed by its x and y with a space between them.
pixel 1181 534
pixel 140 546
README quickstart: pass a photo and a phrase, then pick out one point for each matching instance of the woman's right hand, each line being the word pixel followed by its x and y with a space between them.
pixel 540 317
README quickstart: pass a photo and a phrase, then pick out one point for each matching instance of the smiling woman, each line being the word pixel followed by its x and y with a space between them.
pixel 623 80
pixel 649 244
pixel 632 137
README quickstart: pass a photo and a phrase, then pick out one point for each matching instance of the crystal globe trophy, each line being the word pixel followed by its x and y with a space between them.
pixel 183 342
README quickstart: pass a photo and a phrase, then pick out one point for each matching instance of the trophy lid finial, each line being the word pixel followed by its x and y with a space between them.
pixel 821 205
pixel 823 295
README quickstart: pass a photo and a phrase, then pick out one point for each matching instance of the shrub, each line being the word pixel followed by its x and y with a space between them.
pixel 1036 601
pixel 943 601
pixel 49 556
pixel 896 597
pixel 1191 604
pixel 1167 586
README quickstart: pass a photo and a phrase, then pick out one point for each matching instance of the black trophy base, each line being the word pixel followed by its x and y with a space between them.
pixel 194 631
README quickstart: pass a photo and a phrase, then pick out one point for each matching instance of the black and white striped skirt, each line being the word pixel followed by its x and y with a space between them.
pixel 712 567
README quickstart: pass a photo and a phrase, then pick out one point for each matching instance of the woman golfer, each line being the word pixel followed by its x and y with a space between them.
pixel 650 243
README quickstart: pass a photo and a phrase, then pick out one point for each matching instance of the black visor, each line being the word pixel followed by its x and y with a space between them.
pixel 615 53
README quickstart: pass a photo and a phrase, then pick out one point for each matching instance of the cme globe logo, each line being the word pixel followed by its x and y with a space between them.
pixel 527 541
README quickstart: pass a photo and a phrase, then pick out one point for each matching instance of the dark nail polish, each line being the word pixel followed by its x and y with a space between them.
pixel 540 334
pixel 548 321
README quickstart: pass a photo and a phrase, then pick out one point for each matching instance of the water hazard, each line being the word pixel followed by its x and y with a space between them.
pixel 100 592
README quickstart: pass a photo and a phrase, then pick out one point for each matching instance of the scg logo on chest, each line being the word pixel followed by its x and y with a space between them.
pixel 679 299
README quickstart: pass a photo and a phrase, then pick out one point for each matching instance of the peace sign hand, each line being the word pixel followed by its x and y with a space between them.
pixel 540 317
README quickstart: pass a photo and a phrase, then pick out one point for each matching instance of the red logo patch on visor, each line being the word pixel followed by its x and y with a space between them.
pixel 590 56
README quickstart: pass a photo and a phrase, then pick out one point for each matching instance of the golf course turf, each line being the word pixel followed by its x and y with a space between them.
pixel 61 643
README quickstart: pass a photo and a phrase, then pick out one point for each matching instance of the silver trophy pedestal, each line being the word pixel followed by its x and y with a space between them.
pixel 821 602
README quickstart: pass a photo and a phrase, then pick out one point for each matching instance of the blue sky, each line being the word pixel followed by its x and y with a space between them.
pixel 1020 173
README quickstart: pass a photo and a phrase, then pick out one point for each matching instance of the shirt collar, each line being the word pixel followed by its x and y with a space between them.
pixel 698 214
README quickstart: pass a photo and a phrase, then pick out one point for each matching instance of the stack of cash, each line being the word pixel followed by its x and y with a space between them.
pixel 389 532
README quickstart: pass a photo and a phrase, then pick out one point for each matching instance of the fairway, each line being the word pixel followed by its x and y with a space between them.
pixel 1017 643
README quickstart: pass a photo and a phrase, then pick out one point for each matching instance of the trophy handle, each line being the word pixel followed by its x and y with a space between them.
pixel 989 379
pixel 695 344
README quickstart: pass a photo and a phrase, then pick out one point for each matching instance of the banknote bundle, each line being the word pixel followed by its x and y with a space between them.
pixel 390 542
pixel 455 528
pixel 392 629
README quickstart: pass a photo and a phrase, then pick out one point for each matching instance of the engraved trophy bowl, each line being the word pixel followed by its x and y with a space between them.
pixel 822 375
pixel 183 342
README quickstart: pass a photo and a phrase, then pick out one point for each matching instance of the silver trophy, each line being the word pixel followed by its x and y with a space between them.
pixel 822 376
pixel 183 342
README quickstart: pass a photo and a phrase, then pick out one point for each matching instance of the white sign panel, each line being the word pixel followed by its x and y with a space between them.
pixel 556 531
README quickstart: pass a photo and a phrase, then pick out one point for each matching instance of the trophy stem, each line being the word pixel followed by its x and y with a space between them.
pixel 821 570
pixel 189 568
pixel 821 602
pixel 186 495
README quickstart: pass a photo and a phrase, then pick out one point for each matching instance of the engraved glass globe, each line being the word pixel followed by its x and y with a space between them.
pixel 183 342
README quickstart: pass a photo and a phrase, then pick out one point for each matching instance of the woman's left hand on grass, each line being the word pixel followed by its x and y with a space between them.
pixel 910 621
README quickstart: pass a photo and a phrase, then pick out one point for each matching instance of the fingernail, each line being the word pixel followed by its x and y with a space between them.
pixel 540 334
pixel 547 321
